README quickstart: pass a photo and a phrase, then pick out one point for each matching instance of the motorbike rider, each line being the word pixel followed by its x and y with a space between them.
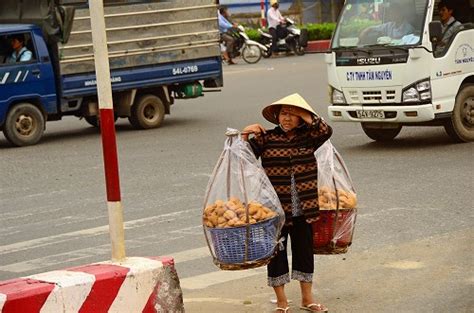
pixel 224 28
pixel 275 21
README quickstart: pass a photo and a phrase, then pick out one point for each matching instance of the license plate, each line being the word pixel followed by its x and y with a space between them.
pixel 370 114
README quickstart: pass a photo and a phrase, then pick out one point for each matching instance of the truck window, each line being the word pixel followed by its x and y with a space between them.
pixel 380 22
pixel 16 48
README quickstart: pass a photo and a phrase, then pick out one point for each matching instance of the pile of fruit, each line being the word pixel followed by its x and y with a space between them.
pixel 328 198
pixel 233 213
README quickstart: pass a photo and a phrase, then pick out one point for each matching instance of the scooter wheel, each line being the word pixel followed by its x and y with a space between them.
pixel 267 54
pixel 251 54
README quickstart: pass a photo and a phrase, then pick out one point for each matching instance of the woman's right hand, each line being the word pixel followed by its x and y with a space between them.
pixel 255 129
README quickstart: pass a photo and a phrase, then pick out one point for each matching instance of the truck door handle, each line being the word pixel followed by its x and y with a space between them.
pixel 36 72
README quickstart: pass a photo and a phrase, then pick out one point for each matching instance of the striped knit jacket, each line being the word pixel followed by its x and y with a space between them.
pixel 282 156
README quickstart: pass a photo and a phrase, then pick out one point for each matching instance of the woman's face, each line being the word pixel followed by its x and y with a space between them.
pixel 287 119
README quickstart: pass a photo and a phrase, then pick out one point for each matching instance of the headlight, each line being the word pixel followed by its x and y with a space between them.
pixel 419 91
pixel 337 97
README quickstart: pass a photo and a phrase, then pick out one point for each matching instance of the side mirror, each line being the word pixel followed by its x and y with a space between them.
pixel 436 32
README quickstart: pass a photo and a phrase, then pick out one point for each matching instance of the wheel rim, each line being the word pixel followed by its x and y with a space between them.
pixel 25 125
pixel 251 53
pixel 467 113
pixel 150 113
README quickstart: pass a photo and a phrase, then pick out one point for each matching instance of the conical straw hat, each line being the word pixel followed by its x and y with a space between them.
pixel 271 111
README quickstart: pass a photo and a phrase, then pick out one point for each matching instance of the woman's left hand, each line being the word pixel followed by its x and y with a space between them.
pixel 305 115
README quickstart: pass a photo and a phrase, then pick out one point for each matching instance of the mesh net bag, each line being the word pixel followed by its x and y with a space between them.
pixel 242 214
pixel 333 231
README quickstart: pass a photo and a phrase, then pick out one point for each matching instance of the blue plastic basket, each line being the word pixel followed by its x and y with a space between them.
pixel 229 243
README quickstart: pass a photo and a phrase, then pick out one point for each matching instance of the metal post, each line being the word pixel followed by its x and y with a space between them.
pixel 263 21
pixel 107 128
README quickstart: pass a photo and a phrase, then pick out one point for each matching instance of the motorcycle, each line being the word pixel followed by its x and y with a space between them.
pixel 250 50
pixel 293 40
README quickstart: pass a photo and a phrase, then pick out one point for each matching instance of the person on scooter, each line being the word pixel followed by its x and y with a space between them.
pixel 275 21
pixel 224 27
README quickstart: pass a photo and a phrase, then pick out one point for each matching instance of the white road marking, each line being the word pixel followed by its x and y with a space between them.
pixel 191 255
pixel 87 253
pixel 95 231
pixel 209 279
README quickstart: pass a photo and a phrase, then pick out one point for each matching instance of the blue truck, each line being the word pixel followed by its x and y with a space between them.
pixel 158 52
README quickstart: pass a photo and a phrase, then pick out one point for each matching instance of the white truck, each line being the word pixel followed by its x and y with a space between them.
pixel 387 70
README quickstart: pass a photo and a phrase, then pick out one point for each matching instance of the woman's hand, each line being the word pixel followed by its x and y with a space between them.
pixel 303 114
pixel 255 129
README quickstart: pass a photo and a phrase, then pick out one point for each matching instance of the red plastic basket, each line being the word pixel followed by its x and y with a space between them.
pixel 332 232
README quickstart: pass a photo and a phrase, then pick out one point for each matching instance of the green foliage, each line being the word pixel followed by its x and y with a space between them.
pixel 320 31
pixel 315 31
pixel 252 33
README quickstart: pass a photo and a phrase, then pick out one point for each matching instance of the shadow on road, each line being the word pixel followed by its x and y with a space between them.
pixel 88 131
pixel 416 142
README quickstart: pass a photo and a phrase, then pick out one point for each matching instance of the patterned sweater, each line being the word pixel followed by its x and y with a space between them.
pixel 282 156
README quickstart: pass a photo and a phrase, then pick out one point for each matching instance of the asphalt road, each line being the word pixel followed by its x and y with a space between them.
pixel 412 249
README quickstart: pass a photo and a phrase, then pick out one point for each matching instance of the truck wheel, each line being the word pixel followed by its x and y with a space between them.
pixel 92 120
pixel 147 112
pixel 251 54
pixel 380 134
pixel 460 127
pixel 24 125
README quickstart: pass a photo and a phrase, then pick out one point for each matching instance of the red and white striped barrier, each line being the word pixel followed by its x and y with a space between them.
pixel 148 285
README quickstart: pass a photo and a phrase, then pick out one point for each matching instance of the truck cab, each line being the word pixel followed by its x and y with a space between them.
pixel 28 86
pixel 386 69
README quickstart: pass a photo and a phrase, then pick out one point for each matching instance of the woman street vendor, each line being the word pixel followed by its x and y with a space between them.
pixel 287 154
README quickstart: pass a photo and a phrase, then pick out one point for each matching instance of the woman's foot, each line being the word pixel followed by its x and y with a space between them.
pixel 314 307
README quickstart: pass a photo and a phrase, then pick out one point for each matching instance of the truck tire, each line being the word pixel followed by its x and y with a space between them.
pixel 92 120
pixel 381 134
pixel 251 54
pixel 460 127
pixel 147 112
pixel 24 125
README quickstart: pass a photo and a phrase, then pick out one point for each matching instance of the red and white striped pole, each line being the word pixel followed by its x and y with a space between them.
pixel 262 9
pixel 107 128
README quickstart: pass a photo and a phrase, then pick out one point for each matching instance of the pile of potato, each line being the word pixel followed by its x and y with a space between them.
pixel 327 198
pixel 232 213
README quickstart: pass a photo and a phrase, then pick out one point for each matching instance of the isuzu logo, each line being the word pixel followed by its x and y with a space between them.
pixel 367 61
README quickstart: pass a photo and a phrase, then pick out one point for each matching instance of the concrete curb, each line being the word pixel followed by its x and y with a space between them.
pixel 148 285
pixel 318 46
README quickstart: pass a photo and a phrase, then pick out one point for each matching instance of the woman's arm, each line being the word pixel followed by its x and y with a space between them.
pixel 320 131
pixel 257 141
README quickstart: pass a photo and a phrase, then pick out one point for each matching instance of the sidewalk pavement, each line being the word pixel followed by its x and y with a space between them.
pixel 429 275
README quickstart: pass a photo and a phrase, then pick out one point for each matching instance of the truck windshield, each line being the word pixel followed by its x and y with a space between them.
pixel 366 23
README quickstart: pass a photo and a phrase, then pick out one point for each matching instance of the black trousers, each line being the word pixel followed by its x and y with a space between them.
pixel 278 32
pixel 302 250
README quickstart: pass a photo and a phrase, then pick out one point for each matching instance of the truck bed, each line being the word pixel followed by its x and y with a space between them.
pixel 83 84
pixel 145 35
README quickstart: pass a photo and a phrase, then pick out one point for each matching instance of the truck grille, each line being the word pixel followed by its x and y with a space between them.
pixel 357 96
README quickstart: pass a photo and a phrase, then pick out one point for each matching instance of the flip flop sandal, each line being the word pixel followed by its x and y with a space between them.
pixel 284 310
pixel 314 307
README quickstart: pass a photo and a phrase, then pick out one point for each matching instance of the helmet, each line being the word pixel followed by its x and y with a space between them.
pixel 273 2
